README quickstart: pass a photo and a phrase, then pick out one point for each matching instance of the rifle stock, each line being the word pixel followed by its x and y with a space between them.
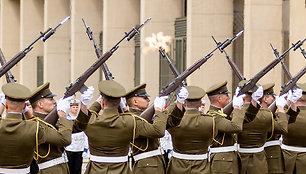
pixel 52 117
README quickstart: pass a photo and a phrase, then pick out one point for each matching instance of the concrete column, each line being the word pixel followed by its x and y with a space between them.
pixel 10 30
pixel 163 13
pixel 297 32
pixel 204 19
pixel 263 25
pixel 119 17
pixel 31 24
pixel 57 47
pixel 82 49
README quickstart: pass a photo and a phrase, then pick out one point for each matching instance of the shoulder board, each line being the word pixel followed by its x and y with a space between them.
pixel 94 112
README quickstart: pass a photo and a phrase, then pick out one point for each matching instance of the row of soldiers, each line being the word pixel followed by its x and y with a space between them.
pixel 247 141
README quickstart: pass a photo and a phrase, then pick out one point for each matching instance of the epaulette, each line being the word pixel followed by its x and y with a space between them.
pixel 217 113
pixel 94 112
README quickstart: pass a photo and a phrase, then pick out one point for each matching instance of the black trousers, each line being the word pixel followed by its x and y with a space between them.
pixel 75 161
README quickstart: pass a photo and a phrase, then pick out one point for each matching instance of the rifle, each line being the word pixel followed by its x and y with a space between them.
pixel 13 61
pixel 79 83
pixel 285 68
pixel 171 65
pixel 149 112
pixel 9 76
pixel 108 75
pixel 231 62
pixel 252 82
pixel 291 84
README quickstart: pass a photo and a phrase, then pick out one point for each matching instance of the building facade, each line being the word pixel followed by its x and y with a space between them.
pixel 189 23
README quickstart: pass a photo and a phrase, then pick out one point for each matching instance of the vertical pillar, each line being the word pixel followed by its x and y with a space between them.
pixel 263 25
pixel 119 17
pixel 297 32
pixel 31 24
pixel 10 30
pixel 163 13
pixel 82 50
pixel 57 47
pixel 204 19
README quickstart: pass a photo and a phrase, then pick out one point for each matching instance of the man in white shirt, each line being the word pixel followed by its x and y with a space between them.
pixel 79 142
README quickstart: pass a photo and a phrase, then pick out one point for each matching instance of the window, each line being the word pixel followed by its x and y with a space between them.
pixel 40 70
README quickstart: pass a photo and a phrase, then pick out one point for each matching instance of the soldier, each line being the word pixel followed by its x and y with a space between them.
pixel 223 149
pixel 109 135
pixel 146 150
pixel 195 132
pixel 20 137
pixel 254 134
pixel 51 157
pixel 272 146
pixel 294 144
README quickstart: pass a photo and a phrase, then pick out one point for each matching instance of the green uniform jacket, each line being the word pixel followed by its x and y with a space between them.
pixel 193 136
pixel 296 137
pixel 254 135
pixel 274 153
pixel 54 151
pixel 153 164
pixel 18 139
pixel 110 134
pixel 226 162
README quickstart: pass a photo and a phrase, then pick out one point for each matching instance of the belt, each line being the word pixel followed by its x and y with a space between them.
pixel 250 150
pixel 293 148
pixel 22 170
pixel 148 154
pixel 108 159
pixel 223 149
pixel 189 156
pixel 53 162
pixel 272 143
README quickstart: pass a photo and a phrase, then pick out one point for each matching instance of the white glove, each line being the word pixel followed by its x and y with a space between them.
pixel 87 95
pixel 64 104
pixel 281 100
pixel 2 98
pixel 238 100
pixel 257 94
pixel 294 95
pixel 160 102
pixel 26 109
pixel 182 95
pixel 122 103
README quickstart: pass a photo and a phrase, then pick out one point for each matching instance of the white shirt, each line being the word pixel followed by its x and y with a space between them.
pixel 166 141
pixel 79 141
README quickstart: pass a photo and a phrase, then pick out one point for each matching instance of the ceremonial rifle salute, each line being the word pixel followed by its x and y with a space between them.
pixel 110 134
pixel 223 149
pixel 194 134
pixel 146 151
pixel 19 137
pixel 51 158
pixel 254 134
pixel 294 142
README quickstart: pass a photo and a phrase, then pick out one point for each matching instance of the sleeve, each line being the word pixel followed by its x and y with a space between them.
pixel 174 116
pixel 250 113
pixel 60 137
pixel 230 126
pixel 281 123
pixel 95 107
pixel 292 115
pixel 151 130
pixel 81 122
